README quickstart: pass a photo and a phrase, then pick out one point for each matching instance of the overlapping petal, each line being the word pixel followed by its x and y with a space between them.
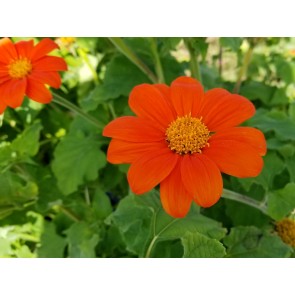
pixel 176 200
pixel 186 95
pixel 133 129
pixel 38 92
pixel 12 92
pixel 202 178
pixel 247 135
pixel 234 157
pixel 44 47
pixel 7 51
pixel 121 151
pixel 24 48
pixel 53 79
pixel 50 64
pixel 146 101
pixel 150 169
pixel 221 109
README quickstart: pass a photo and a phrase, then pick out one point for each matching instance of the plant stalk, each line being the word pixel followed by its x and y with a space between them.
pixel 158 64
pixel 194 65
pixel 243 69
pixel 227 194
pixel 130 54
pixel 70 106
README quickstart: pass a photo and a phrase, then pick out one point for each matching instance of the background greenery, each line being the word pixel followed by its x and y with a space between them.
pixel 60 198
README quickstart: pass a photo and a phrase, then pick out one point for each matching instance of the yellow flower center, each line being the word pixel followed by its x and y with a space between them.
pixel 286 230
pixel 187 135
pixel 19 68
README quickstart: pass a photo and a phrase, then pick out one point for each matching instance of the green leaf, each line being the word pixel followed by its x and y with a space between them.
pixel 249 241
pixel 279 97
pixel 281 202
pixel 197 245
pixel 277 121
pixel 27 143
pixel 82 240
pixel 77 159
pixel 52 244
pixel 142 223
pixel 200 45
pixel 239 214
pixel 285 70
pixel 257 90
pixel 290 163
pixel 14 193
pixel 172 69
pixel 101 204
pixel 120 77
pixel 233 43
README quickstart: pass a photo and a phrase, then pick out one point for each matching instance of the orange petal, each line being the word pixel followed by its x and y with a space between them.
pixel 51 78
pixel 120 151
pixel 146 101
pixel 176 200
pixel 247 135
pixel 150 169
pixel 24 48
pixel 186 96
pixel 12 92
pixel 38 92
pixel 50 64
pixel 4 78
pixel 164 89
pixel 202 178
pixel 133 129
pixel 7 51
pixel 3 70
pixel 2 106
pixel 222 109
pixel 234 158
pixel 45 46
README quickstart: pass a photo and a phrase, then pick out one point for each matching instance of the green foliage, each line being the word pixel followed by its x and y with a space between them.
pixel 52 244
pixel 253 242
pixel 82 240
pixel 77 159
pixel 232 43
pixel 143 223
pixel 60 198
pixel 281 202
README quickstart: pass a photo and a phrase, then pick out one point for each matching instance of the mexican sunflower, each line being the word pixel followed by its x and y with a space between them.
pixel 25 68
pixel 183 138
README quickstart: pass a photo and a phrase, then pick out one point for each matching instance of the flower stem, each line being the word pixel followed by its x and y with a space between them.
pixel 69 213
pixel 194 65
pixel 243 69
pixel 158 64
pixel 149 250
pixel 70 106
pixel 227 194
pixel 129 53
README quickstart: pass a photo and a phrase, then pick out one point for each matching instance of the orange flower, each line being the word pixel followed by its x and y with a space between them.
pixel 25 68
pixel 183 139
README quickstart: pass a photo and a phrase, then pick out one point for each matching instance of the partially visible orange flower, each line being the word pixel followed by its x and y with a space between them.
pixel 182 139
pixel 25 68
pixel 286 230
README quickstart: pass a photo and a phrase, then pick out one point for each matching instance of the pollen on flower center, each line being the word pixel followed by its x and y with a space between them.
pixel 19 68
pixel 286 230
pixel 187 135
